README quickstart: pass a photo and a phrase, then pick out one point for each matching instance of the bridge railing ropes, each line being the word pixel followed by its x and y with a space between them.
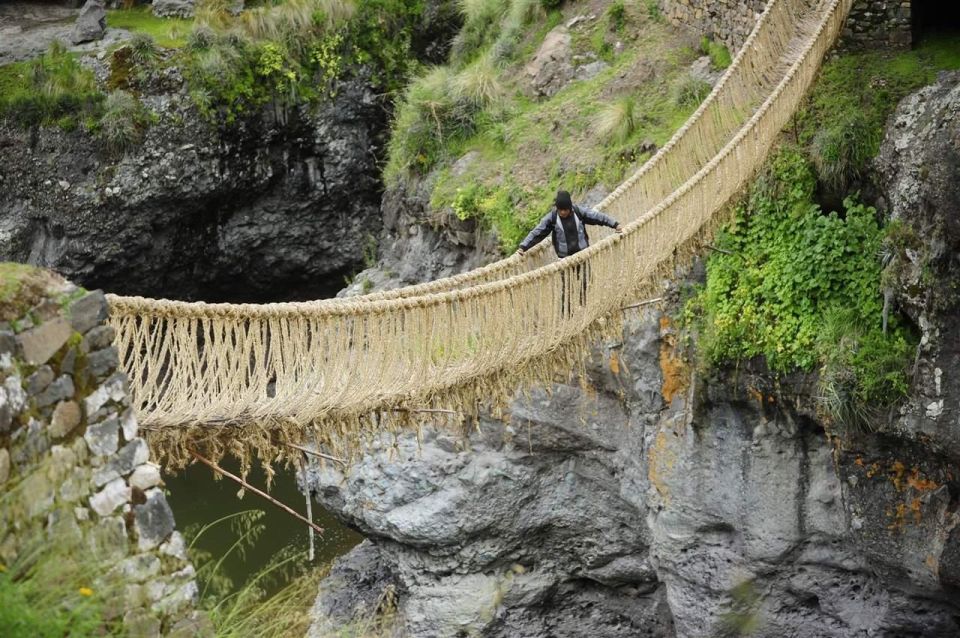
pixel 250 378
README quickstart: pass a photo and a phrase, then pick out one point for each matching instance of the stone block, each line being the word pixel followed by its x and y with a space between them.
pixel 197 625
pixel 139 568
pixel 88 311
pixel 102 362
pixel 113 389
pixel 112 496
pixel 130 456
pixel 37 494
pixel 153 520
pixel 176 546
pixel 4 465
pixel 103 439
pixel 59 390
pixel 100 337
pixel 8 342
pixel 145 477
pixel 6 413
pixel 40 343
pixel 39 380
pixel 128 423
pixel 66 417
pixel 141 623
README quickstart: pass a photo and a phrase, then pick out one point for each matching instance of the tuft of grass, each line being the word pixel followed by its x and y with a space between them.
pixel 21 287
pixel 842 148
pixel 122 122
pixel 143 48
pixel 689 92
pixel 617 121
pixel 478 85
pixel 720 57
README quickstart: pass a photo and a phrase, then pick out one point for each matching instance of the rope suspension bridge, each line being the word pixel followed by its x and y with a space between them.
pixel 265 379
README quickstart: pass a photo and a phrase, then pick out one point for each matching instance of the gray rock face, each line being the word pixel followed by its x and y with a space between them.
pixel 153 520
pixel 551 67
pixel 610 512
pixel 278 206
pixel 91 23
pixel 918 170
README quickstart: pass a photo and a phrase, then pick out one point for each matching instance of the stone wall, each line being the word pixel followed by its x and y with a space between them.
pixel 871 24
pixel 73 468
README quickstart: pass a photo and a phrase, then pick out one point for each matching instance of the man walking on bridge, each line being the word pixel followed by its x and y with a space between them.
pixel 567 223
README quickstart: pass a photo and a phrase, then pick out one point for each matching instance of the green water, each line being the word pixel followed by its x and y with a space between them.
pixel 197 500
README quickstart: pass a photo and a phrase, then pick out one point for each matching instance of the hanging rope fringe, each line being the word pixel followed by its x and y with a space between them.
pixel 246 379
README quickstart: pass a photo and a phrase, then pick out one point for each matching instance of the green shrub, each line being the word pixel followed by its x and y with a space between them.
pixel 143 48
pixel 550 5
pixel 719 55
pixel 842 148
pixel 653 10
pixel 689 92
pixel 201 38
pixel 617 15
pixel 617 121
pixel 123 121
pixel 785 270
pixel 478 85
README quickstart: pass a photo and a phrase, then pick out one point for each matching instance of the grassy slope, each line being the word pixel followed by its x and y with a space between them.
pixel 524 149
pixel 169 33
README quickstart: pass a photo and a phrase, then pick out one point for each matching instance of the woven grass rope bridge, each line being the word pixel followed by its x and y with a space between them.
pixel 251 379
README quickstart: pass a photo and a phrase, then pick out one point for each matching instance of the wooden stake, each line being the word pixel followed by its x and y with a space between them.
pixel 426 411
pixel 320 455
pixel 720 250
pixel 216 468
pixel 642 303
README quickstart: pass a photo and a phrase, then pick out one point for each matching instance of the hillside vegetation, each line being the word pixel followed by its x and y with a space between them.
pixel 496 147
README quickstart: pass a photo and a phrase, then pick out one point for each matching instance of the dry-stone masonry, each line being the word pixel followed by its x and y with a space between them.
pixel 72 463
pixel 871 24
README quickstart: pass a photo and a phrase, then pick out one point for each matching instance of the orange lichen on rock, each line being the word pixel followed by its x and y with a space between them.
pixel 919 483
pixel 672 367
pixel 614 362
pixel 897 471
pixel 660 461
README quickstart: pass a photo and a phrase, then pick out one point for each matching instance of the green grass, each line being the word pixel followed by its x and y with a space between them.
pixel 720 57
pixel 843 120
pixel 170 33
pixel 525 149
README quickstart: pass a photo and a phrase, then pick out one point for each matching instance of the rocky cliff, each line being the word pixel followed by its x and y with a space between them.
pixel 279 206
pixel 650 501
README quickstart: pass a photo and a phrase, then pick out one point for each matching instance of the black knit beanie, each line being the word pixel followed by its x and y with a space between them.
pixel 563 201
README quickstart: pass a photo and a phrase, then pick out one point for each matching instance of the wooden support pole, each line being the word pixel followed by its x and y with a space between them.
pixel 319 455
pixel 720 250
pixel 233 477
pixel 643 303
pixel 426 411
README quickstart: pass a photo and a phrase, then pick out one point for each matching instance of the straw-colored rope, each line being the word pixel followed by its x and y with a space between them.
pixel 236 377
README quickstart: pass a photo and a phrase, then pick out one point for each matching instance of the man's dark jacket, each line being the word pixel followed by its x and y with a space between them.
pixel 550 224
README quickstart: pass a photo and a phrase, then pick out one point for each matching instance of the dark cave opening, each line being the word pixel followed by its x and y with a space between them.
pixel 931 19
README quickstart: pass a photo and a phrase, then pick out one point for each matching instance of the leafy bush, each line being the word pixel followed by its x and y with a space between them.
pixel 617 121
pixel 786 267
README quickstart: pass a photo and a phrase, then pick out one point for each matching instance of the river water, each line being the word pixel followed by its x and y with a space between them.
pixel 198 500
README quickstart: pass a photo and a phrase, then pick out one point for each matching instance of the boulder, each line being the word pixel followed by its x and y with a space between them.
pixel 174 8
pixel 91 23
pixel 551 67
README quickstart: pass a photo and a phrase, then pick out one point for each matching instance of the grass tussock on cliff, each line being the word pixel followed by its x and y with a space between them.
pixel 497 137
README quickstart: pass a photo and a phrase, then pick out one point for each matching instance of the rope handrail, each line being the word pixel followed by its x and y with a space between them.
pixel 291 370
pixel 773 16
